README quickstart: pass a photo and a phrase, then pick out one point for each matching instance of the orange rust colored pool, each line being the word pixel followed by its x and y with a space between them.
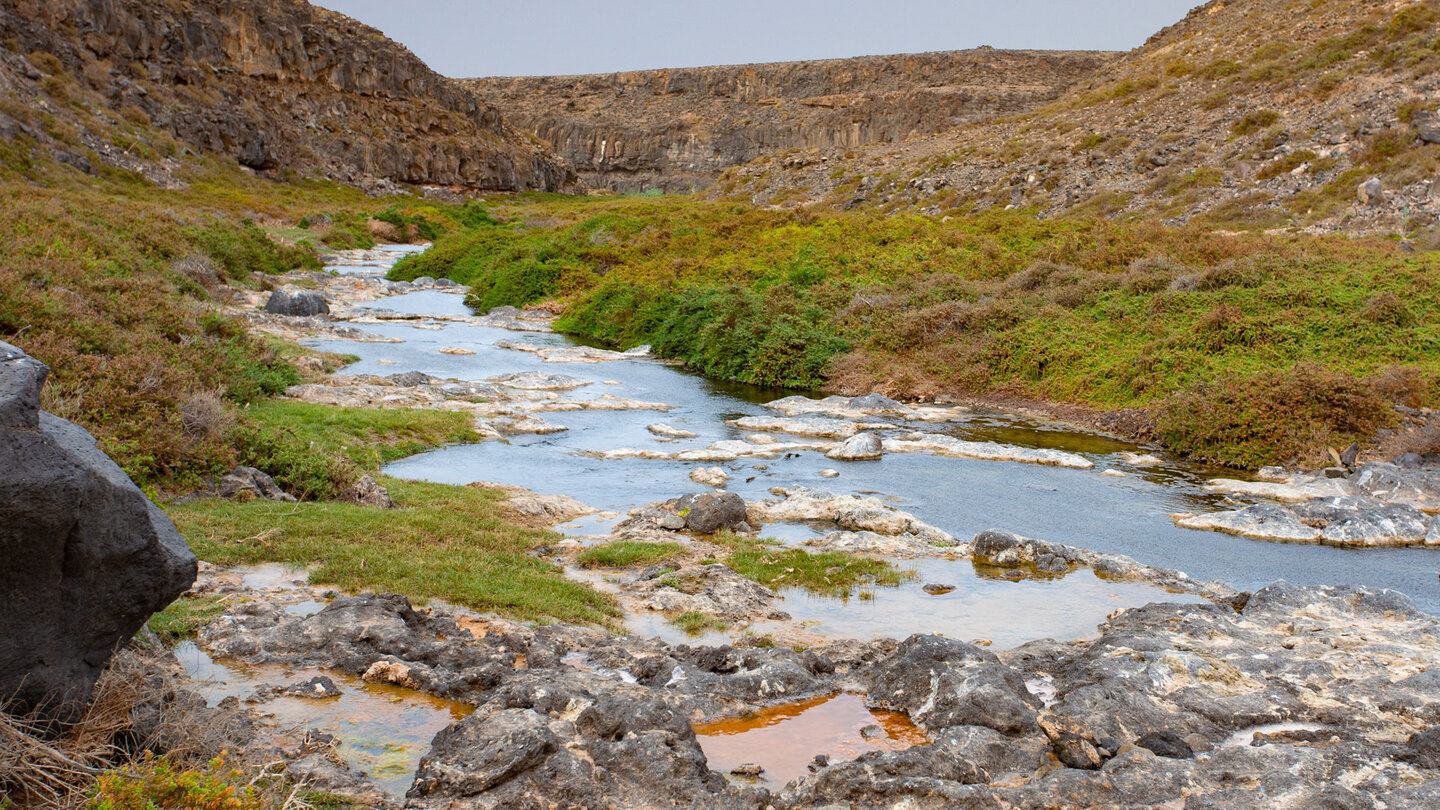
pixel 785 739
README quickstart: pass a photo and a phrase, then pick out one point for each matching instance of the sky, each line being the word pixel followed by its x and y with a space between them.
pixel 548 37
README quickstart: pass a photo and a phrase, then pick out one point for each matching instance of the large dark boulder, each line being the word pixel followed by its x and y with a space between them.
pixel 303 303
pixel 711 511
pixel 87 558
pixel 941 683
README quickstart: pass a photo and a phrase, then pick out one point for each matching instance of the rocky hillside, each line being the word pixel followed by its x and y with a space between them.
pixel 1247 113
pixel 277 84
pixel 677 129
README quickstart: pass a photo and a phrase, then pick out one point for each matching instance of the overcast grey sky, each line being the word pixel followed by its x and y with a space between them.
pixel 547 37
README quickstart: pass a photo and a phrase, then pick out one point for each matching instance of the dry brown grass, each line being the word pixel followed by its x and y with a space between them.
pixel 138 705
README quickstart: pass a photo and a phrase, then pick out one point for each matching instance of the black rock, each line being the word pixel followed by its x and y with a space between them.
pixel 1425 747
pixel 87 557
pixel 1409 461
pixel 303 303
pixel 1166 744
pixel 319 687
pixel 941 682
pixel 711 511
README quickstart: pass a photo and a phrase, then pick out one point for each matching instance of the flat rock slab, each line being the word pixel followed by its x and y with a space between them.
pixel 1346 520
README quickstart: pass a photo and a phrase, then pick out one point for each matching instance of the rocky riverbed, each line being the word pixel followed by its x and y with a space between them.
pixel 1290 697
pixel 1189 693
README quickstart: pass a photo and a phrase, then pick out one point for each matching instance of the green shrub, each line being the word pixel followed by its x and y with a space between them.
pixel 1275 415
pixel 1254 121
pixel 155 784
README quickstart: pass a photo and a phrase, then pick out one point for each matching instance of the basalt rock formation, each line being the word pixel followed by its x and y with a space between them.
pixel 1246 113
pixel 275 84
pixel 87 557
pixel 677 129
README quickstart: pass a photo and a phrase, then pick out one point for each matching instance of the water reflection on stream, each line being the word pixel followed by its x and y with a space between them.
pixel 1117 514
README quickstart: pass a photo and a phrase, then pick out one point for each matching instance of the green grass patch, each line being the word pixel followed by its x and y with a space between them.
pixel 827 573
pixel 626 553
pixel 370 437
pixel 694 622
pixel 444 542
pixel 182 618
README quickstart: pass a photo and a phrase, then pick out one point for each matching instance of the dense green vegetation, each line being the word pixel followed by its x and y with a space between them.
pixel 446 542
pixel 317 450
pixel 120 287
pixel 1091 311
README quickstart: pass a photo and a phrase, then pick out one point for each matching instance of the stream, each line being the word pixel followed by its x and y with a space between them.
pixel 1127 514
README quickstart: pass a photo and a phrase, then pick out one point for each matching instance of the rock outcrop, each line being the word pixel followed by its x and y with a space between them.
pixel 87 557
pixel 1304 697
pixel 678 129
pixel 275 84
pixel 1232 115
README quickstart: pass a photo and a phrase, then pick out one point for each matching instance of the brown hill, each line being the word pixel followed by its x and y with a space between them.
pixel 277 84
pixel 1247 113
pixel 677 129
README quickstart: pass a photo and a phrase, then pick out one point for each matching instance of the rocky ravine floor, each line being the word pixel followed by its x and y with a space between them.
pixel 1287 697
pixel 1292 697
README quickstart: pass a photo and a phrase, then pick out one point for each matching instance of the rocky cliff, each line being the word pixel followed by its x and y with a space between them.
pixel 679 128
pixel 1246 114
pixel 277 84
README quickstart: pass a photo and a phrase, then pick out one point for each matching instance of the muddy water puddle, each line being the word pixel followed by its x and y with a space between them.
pixel 784 740
pixel 383 729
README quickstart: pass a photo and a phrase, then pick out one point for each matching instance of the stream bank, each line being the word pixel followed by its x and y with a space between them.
pixel 1179 696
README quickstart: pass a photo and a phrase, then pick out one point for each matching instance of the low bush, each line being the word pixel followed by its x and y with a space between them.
pixel 1272 416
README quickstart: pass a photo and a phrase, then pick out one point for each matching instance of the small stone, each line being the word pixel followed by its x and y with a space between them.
pixel 367 492
pixel 1166 744
pixel 1336 472
pixel 710 476
pixel 1370 192
pixel 712 511
pixel 1350 454
pixel 455 350
pixel 873 732
pixel 673 523
pixel 829 473
pixel 748 769
pixel 318 688
pixel 299 304
pixel 935 588
pixel 860 447
pixel 248 483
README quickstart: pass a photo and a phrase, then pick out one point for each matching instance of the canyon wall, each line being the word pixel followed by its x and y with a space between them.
pixel 277 84
pixel 677 129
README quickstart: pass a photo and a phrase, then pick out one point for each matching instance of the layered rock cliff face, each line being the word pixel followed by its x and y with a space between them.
pixel 1245 114
pixel 277 84
pixel 679 128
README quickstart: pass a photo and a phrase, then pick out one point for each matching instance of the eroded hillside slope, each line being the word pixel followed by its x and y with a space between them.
pixel 677 129
pixel 1247 113
pixel 276 84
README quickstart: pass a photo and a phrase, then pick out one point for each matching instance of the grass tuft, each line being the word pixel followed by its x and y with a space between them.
pixel 444 542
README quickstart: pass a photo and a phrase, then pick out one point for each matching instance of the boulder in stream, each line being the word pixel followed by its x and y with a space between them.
pixel 302 303
pixel 87 557
pixel 712 511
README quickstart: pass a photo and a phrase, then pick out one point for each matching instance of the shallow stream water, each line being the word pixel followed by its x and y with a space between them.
pixel 1116 514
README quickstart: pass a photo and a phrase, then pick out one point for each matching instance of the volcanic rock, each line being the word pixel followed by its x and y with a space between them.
pixel 87 556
